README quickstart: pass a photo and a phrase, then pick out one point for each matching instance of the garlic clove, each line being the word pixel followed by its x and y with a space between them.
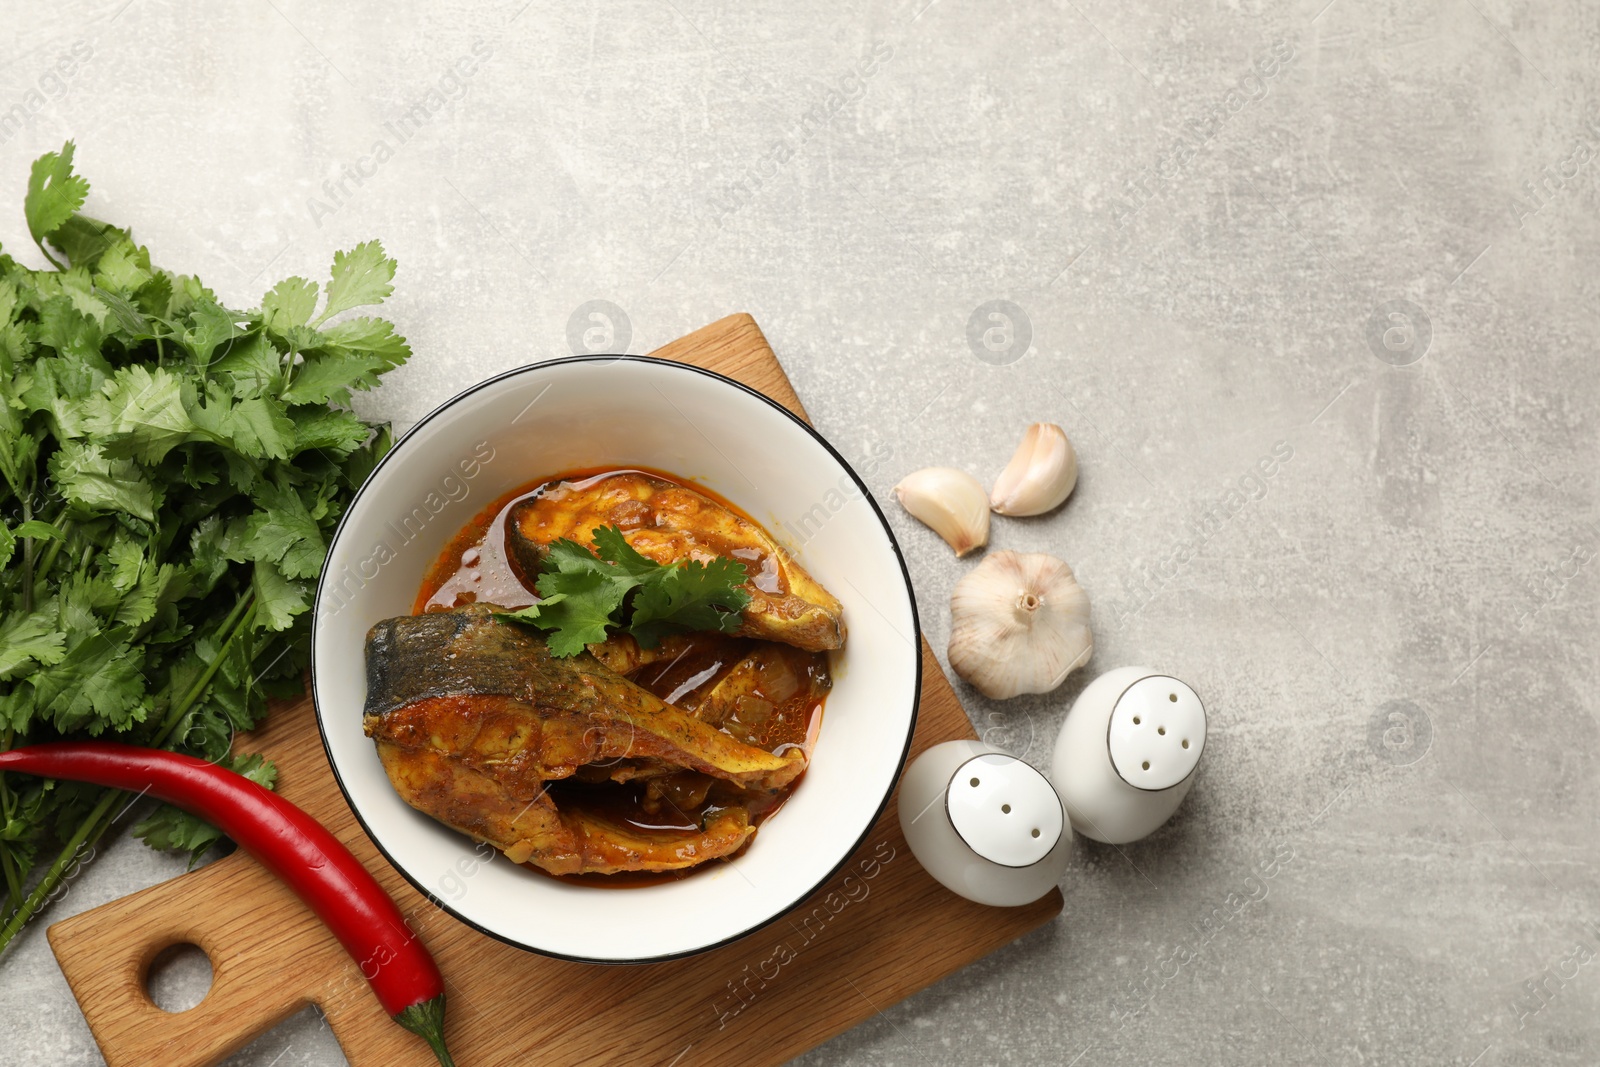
pixel 1019 623
pixel 951 502
pixel 1041 474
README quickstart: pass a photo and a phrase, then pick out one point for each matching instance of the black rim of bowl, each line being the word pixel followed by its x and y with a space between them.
pixel 866 494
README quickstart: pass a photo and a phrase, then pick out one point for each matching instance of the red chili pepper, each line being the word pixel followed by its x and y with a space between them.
pixel 290 844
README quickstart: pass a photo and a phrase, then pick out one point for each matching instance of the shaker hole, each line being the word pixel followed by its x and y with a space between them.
pixel 1172 697
pixel 1185 742
pixel 1162 730
pixel 1035 831
pixel 974 783
pixel 1145 765
pixel 1006 808
pixel 1136 720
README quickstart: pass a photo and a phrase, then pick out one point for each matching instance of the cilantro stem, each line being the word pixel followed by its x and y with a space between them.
pixel 7 810
pixel 7 803
pixel 13 884
pixel 27 558
pixel 53 262
pixel 240 618
pixel 46 561
pixel 101 817
pixel 88 832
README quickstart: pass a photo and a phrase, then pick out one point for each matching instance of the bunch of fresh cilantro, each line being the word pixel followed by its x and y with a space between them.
pixel 170 471
pixel 583 594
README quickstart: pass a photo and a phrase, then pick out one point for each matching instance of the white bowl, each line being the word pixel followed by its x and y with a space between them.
pixel 591 411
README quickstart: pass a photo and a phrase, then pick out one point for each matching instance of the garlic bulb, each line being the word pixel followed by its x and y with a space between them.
pixel 1019 623
pixel 1041 474
pixel 949 501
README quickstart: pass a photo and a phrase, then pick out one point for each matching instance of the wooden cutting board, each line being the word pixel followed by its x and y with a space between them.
pixel 860 944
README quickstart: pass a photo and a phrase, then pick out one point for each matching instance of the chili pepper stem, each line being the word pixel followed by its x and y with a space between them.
pixel 426 1020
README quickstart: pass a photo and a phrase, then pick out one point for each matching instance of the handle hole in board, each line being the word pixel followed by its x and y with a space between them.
pixel 179 977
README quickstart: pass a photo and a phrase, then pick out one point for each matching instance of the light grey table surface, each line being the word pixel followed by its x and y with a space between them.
pixel 1360 233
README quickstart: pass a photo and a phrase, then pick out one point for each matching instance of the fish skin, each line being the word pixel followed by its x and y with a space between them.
pixel 470 652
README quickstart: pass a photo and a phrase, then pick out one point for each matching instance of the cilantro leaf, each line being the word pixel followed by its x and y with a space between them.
pixel 282 531
pixel 565 556
pixel 578 595
pixel 54 194
pixel 36 528
pixel 338 433
pixel 95 685
pixel 325 379
pixel 611 546
pixel 124 559
pixel 369 336
pixel 360 276
pixel 255 427
pixel 94 481
pixel 84 240
pixel 26 639
pixel 577 616
pixel 278 598
pixel 78 288
pixel 64 327
pixel 123 266
pixel 586 593
pixel 213 325
pixel 289 304
pixel 689 595
pixel 260 428
pixel 253 367
pixel 140 412
pixel 129 319
pixel 139 603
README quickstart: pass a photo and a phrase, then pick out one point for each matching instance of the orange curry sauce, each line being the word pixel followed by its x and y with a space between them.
pixel 474 567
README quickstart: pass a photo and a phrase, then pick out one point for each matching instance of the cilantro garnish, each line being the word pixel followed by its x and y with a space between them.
pixel 170 472
pixel 584 593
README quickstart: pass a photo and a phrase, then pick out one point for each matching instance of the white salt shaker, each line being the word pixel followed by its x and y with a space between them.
pixel 1127 753
pixel 984 823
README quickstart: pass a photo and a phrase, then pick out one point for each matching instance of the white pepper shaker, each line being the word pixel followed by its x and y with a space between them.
pixel 1127 753
pixel 984 823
